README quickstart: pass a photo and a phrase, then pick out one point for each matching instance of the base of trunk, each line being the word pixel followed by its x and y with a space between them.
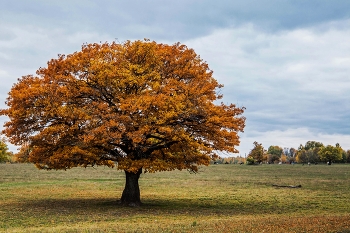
pixel 131 193
pixel 130 204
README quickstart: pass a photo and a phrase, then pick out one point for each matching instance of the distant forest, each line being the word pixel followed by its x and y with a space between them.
pixel 311 153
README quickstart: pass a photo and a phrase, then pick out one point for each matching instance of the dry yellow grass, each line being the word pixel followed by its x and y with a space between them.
pixel 220 198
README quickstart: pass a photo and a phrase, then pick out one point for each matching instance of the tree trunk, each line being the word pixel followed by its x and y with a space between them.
pixel 131 193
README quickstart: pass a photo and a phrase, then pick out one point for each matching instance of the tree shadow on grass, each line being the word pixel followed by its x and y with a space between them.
pixel 57 212
pixel 151 206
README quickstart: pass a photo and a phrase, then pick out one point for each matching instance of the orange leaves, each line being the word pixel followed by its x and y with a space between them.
pixel 142 104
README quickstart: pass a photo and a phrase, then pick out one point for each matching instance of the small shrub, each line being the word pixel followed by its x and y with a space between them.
pixel 250 161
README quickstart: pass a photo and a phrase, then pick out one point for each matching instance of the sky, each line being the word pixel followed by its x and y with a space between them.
pixel 286 61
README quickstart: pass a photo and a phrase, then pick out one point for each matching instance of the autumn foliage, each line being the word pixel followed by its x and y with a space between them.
pixel 140 105
pixel 256 155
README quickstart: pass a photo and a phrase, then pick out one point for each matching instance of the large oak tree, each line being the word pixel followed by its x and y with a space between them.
pixel 137 105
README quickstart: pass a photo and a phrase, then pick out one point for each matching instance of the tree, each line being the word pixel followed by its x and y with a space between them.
pixel 140 105
pixel 348 156
pixel 309 152
pixel 310 145
pixel 290 153
pixel 303 156
pixel 331 153
pixel 284 158
pixel 22 156
pixel 256 155
pixel 274 153
pixel 251 161
pixel 5 154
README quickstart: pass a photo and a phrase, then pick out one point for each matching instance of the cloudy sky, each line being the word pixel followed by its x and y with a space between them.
pixel 286 61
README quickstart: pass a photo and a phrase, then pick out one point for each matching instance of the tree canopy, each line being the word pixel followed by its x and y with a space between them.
pixel 5 154
pixel 274 153
pixel 331 153
pixel 310 145
pixel 309 152
pixel 257 153
pixel 139 105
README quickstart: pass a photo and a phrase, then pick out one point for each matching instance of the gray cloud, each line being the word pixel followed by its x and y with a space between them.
pixel 175 20
pixel 287 80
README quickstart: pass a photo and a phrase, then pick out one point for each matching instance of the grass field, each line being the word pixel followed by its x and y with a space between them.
pixel 220 198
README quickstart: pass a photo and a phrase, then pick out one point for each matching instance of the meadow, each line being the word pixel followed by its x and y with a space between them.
pixel 219 198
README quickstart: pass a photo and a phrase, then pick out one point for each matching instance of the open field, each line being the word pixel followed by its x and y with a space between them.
pixel 220 198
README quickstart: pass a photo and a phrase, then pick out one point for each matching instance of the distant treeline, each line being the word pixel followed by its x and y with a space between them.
pixel 312 152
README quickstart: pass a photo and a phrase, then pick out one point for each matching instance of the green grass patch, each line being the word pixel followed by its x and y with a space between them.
pixel 220 198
